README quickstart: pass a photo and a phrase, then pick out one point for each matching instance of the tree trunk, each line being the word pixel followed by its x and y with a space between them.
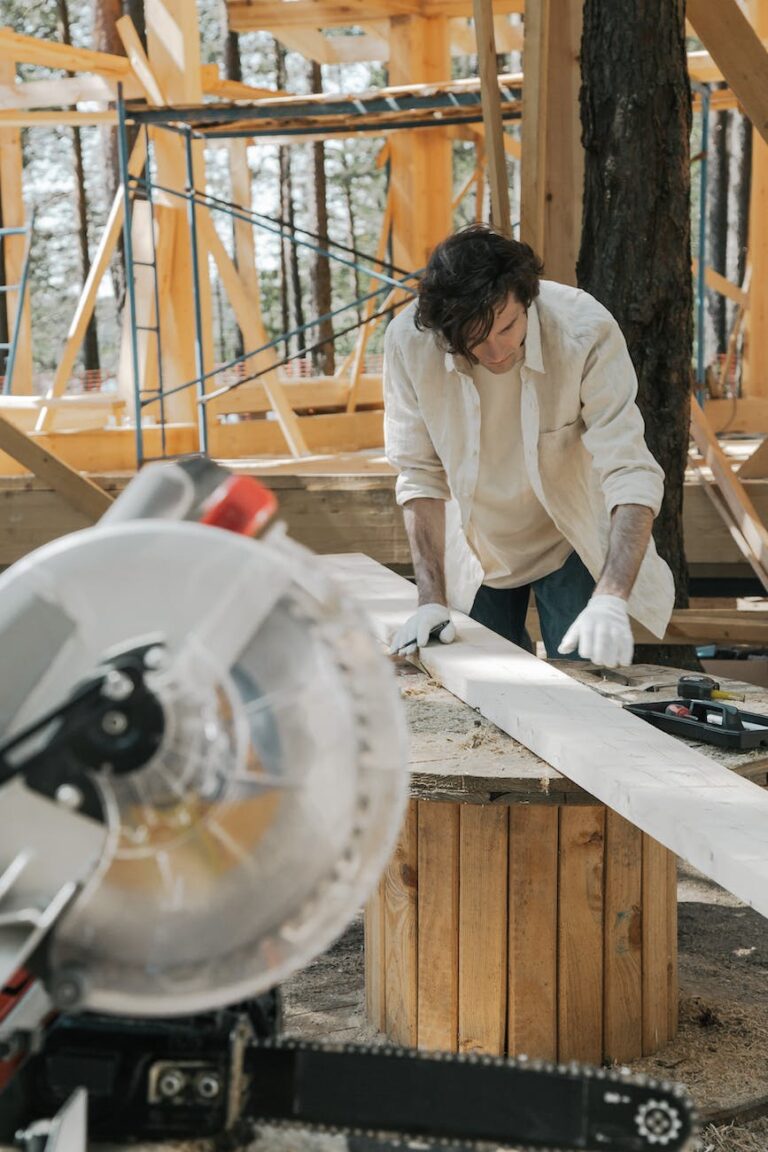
pixel 636 247
pixel 323 358
pixel 352 228
pixel 743 195
pixel 718 224
pixel 91 339
pixel 289 257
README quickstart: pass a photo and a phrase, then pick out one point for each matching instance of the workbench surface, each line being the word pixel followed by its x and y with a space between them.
pixel 456 754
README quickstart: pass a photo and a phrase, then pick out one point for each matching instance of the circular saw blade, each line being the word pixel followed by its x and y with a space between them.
pixel 245 843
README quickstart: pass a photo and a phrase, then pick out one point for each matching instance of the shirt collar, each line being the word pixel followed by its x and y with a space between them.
pixel 533 357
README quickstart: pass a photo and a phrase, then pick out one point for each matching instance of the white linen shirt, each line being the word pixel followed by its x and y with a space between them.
pixel 583 437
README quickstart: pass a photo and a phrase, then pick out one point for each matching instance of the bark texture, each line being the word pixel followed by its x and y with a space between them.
pixel 91 338
pixel 636 247
pixel 323 356
pixel 718 224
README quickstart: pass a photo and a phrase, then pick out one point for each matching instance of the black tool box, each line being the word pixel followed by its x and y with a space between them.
pixel 708 721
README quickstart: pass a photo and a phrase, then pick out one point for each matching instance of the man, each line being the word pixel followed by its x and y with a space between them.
pixel 510 415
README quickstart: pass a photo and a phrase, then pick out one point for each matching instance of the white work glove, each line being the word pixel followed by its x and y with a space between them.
pixel 415 633
pixel 601 633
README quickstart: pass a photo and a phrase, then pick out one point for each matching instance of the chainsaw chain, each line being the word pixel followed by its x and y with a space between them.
pixel 617 1076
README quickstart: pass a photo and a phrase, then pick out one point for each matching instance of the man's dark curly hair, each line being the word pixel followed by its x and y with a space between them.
pixel 468 279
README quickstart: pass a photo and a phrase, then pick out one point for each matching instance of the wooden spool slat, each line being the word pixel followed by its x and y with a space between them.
pixel 401 935
pixel 438 910
pixel 655 944
pixel 533 875
pixel 483 856
pixel 580 934
pixel 623 939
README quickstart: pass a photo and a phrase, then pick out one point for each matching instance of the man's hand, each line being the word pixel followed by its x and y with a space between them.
pixel 416 632
pixel 601 633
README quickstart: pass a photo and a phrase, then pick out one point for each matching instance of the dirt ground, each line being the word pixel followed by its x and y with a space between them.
pixel 720 1054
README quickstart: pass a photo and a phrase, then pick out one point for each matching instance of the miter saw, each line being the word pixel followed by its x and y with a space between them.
pixel 202 774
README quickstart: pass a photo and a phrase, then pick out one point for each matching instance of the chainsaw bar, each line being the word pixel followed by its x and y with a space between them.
pixel 387 1093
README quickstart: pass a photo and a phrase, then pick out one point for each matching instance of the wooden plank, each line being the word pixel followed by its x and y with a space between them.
pixel 552 156
pixel 655 946
pixel 401 934
pixel 754 373
pixel 745 414
pixel 736 48
pixel 374 959
pixel 420 180
pixel 438 912
pixel 358 357
pixel 87 300
pixel 81 493
pixel 756 467
pixel 14 247
pixel 50 54
pixel 722 285
pixel 302 392
pixel 483 929
pixel 533 880
pixel 63 92
pixel 496 159
pixel 173 47
pixel 731 489
pixel 134 50
pixel 709 816
pixel 253 333
pixel 622 1028
pixel 580 934
pixel 508 37
pixel 263 15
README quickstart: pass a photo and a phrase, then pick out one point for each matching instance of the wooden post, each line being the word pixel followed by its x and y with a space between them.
pixel 79 492
pixel 552 157
pixel 755 378
pixel 492 122
pixel 12 202
pixel 421 169
pixel 173 44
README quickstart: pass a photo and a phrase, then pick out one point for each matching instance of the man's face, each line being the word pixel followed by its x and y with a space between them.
pixel 503 346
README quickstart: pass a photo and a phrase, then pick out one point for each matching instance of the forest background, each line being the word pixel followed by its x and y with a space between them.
pixel 336 187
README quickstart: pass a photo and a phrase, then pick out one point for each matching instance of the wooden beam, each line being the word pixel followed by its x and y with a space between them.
pixel 263 15
pixel 735 416
pixel 308 42
pixel 14 215
pixel 738 51
pixel 731 490
pixel 173 47
pixel 215 85
pixel 719 283
pixel 134 50
pixel 421 179
pixel 65 92
pixel 41 118
pixel 755 363
pixel 508 37
pixel 245 310
pixel 79 492
pixel 87 301
pixel 495 156
pixel 49 54
pixel 700 810
pixel 552 172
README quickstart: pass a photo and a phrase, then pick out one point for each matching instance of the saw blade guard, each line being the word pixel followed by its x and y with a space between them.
pixel 259 825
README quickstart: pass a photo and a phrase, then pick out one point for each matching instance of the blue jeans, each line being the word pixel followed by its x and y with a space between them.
pixel 560 597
